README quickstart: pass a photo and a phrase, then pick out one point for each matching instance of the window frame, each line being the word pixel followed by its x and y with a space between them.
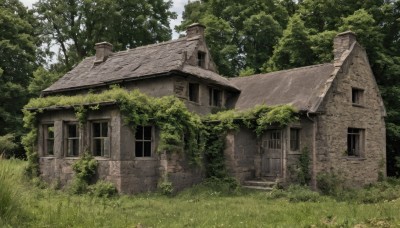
pixel 357 96
pixel 355 136
pixel 102 139
pixel 201 59
pixel 211 93
pixel 68 138
pixel 143 141
pixel 46 139
pixel 296 140
pixel 274 142
pixel 196 91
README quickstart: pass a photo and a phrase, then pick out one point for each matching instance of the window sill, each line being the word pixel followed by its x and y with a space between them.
pixel 101 158
pixel 144 159
pixel 348 158
pixel 194 102
pixel 294 152
pixel 358 105
pixel 72 158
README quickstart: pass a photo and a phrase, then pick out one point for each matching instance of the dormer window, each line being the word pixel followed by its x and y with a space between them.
pixel 201 59
pixel 357 96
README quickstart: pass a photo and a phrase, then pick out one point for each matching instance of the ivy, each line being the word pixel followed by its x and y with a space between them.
pixel 180 129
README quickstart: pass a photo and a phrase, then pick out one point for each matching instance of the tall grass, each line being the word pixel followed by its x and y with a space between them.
pixel 210 204
pixel 11 210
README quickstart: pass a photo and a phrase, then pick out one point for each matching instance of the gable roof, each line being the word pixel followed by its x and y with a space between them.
pixel 300 87
pixel 141 62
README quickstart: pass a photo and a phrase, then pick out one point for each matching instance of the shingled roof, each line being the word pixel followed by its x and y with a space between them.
pixel 146 61
pixel 300 87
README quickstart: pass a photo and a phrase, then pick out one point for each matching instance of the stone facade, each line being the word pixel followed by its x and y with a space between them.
pixel 339 108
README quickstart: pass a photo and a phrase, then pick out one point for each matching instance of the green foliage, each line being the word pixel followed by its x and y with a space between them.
pixel 78 25
pixel 295 193
pixel 293 49
pixel 304 174
pixel 165 187
pixel 18 44
pixel 78 186
pixel 102 189
pixel 42 79
pixel 85 168
pixel 330 183
pixel 7 144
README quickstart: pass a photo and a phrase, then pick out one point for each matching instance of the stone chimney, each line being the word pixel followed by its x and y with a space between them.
pixel 103 50
pixel 195 29
pixel 343 42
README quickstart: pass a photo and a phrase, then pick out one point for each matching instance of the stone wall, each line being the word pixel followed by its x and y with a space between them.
pixel 339 114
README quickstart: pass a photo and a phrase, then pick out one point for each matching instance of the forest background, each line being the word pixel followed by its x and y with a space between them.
pixel 244 37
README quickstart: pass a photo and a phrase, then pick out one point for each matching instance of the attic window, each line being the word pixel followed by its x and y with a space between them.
pixel 357 96
pixel 201 59
pixel 194 92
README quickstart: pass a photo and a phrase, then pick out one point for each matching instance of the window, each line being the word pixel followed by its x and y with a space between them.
pixel 355 139
pixel 194 92
pixel 215 97
pixel 357 96
pixel 48 132
pixel 201 59
pixel 294 139
pixel 72 140
pixel 143 139
pixel 100 139
pixel 274 141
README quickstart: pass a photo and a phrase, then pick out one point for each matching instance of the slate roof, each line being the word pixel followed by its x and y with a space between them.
pixel 301 87
pixel 146 61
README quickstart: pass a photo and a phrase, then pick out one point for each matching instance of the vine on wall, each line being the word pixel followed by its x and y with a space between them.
pixel 180 129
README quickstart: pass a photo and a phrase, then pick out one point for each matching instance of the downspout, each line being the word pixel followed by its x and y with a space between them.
pixel 314 153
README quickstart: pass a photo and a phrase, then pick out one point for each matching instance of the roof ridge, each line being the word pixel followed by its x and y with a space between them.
pixel 282 71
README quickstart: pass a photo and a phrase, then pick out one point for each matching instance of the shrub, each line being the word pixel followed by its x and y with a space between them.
pixel 295 193
pixel 103 189
pixel 166 187
pixel 329 183
pixel 7 145
pixel 85 168
pixel 77 186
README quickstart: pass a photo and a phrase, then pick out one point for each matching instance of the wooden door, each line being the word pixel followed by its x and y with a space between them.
pixel 271 161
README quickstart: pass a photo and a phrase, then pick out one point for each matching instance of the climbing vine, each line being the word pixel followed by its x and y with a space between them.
pixel 180 129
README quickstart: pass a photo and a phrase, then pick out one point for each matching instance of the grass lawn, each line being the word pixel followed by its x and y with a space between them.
pixel 22 204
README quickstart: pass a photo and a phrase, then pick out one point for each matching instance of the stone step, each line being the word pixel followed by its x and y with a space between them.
pixel 259 183
pixel 258 188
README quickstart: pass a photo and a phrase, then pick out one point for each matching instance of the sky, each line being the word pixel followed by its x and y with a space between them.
pixel 177 7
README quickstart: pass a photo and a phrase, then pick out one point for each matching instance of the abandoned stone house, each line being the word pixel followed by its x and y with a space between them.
pixel 341 116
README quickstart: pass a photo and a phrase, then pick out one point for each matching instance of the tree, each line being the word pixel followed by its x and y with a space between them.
pixel 42 79
pixel 240 30
pixel 76 25
pixel 18 55
pixel 293 49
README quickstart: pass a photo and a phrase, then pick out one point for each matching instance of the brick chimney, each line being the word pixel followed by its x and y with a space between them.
pixel 195 29
pixel 343 42
pixel 103 50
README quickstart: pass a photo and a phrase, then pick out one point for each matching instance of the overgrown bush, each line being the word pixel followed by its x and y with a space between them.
pixel 166 187
pixel 77 186
pixel 295 193
pixel 304 174
pixel 7 145
pixel 329 183
pixel 85 168
pixel 102 189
